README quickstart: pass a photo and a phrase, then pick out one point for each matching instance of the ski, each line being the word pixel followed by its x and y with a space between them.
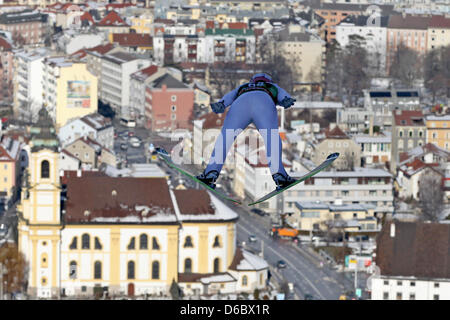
pixel 328 161
pixel 166 158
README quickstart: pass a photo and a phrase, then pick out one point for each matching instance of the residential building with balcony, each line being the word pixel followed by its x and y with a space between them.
pixel 169 104
pixel 317 216
pixel 26 27
pixel 375 149
pixel 381 103
pixel 360 186
pixel 69 89
pixel 438 130
pixel 28 90
pixel 117 68
pixel 408 132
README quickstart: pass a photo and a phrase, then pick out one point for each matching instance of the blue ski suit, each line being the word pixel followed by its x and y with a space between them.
pixel 253 106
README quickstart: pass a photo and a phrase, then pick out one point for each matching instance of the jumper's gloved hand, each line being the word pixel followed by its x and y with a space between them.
pixel 218 107
pixel 287 102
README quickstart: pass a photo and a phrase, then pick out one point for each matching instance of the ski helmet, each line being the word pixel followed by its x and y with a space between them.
pixel 261 77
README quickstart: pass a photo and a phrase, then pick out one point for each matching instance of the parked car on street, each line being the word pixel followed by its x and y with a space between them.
pixel 123 146
pixel 258 212
pixel 281 264
pixel 252 238
pixel 3 230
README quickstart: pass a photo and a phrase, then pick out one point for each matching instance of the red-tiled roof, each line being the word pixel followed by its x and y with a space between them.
pixel 408 118
pixel 193 201
pixel 238 257
pixel 5 45
pixel 67 174
pixel 96 195
pixel 168 22
pixel 408 22
pixel 118 5
pixel 112 20
pixel 440 22
pixel 102 49
pixel 417 249
pixel 335 133
pixel 133 39
pixel 80 54
pixel 4 155
pixel 210 24
pixel 234 25
pixel 87 16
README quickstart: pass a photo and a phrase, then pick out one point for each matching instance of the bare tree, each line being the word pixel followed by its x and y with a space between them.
pixel 350 160
pixel 431 196
pixel 28 111
pixel 334 70
pixel 224 77
pixel 354 63
pixel 406 65
pixel 436 71
pixel 13 262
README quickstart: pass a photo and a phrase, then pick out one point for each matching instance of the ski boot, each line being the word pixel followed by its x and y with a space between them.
pixel 282 181
pixel 209 179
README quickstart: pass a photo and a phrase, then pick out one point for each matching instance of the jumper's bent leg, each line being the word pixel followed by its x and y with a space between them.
pixel 265 118
pixel 237 119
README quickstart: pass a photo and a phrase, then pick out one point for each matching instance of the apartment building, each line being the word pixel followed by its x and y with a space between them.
pixel 360 186
pixel 113 23
pixel 334 13
pixel 438 32
pixel 375 149
pixel 26 27
pixel 116 70
pixel 169 104
pixel 374 35
pixel 408 132
pixel 408 30
pixel 354 120
pixel 413 261
pixel 438 130
pixel 335 140
pixel 28 90
pixel 304 52
pixel 382 102
pixel 94 60
pixel 344 218
pixel 69 89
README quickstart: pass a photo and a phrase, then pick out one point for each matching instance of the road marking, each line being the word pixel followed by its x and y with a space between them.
pixel 294 267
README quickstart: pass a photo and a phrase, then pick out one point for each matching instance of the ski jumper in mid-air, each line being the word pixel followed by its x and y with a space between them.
pixel 253 102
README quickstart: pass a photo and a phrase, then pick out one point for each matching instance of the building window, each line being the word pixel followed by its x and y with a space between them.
pixel 97 270
pixel 155 244
pixel 173 116
pixel 44 281
pixel 155 270
pixel 130 269
pixel 45 169
pixel 174 108
pixel 261 278
pixel 97 244
pixel 399 283
pixel 216 242
pixel 386 282
pixel 412 284
pixel 73 270
pixel 436 297
pixel 131 244
pixel 85 239
pixel 412 296
pixel 188 265
pixel 143 241
pixel 173 98
pixel 188 242
pixel 216 265
pixel 436 284
pixel 44 260
pixel 399 296
pixel 244 281
pixel 385 295
pixel 73 245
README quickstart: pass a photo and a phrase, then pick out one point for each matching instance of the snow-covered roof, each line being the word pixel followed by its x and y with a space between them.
pixel 226 277
pixel 251 261
pixel 222 212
